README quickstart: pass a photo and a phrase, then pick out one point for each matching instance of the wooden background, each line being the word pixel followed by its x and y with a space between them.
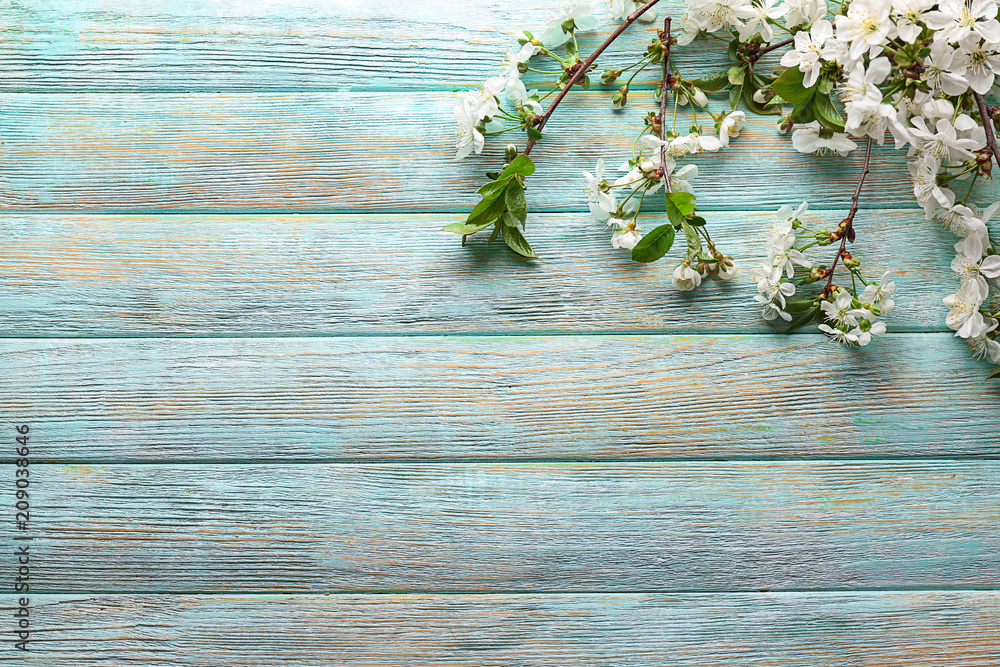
pixel 279 418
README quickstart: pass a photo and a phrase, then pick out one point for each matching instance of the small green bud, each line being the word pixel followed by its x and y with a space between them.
pixel 510 152
pixel 610 75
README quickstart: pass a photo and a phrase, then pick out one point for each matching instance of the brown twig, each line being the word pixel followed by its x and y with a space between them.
pixel 582 70
pixel 757 56
pixel 846 227
pixel 991 139
pixel 663 103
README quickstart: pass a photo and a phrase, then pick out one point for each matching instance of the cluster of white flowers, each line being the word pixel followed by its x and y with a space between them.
pixel 856 73
pixel 847 317
pixel 977 264
pixel 646 174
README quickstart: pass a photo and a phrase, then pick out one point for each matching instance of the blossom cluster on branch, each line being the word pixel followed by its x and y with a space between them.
pixel 851 74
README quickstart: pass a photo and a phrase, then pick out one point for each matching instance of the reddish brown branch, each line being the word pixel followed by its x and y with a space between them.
pixel 582 69
pixel 846 227
pixel 991 139
pixel 757 56
pixel 663 102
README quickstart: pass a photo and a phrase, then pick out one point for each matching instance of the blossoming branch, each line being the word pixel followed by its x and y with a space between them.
pixel 851 75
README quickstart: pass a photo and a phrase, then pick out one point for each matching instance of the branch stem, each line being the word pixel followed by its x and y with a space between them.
pixel 849 220
pixel 991 139
pixel 582 70
pixel 663 104
pixel 755 57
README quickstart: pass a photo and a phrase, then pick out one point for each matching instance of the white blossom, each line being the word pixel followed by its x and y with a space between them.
pixel 840 310
pixel 469 137
pixel 956 19
pixel 943 70
pixel 964 316
pixel 981 62
pixel 864 337
pixel 807 139
pixel 865 27
pixel 804 12
pixel 579 12
pixel 757 21
pixel 598 194
pixel 880 295
pixel 685 278
pixel 624 8
pixel 839 336
pixel 626 233
pixel 731 126
pixel 908 14
pixel 807 52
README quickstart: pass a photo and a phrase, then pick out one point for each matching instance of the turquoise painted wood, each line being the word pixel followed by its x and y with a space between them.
pixel 268 395
pixel 480 397
pixel 266 275
pixel 358 152
pixel 570 527
pixel 912 629
pixel 138 45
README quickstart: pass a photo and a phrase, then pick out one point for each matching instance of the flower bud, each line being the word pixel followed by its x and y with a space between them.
pixel 510 152
pixel 698 95
pixel 610 75
pixel 621 98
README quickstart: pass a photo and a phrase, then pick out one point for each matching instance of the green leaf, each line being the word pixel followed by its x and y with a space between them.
pixel 696 221
pixel 654 245
pixel 464 228
pixel 736 74
pixel 684 201
pixel 827 114
pixel 790 86
pixel 493 189
pixel 803 113
pixel 995 373
pixel 515 240
pixel 570 47
pixel 585 82
pixel 515 199
pixel 798 304
pixel 691 236
pixel 734 95
pixel 508 220
pixel 714 82
pixel 534 134
pixel 521 166
pixel 493 234
pixel 487 211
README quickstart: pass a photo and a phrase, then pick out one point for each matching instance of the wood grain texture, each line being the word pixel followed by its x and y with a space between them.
pixel 912 629
pixel 479 397
pixel 141 45
pixel 595 527
pixel 95 275
pixel 362 152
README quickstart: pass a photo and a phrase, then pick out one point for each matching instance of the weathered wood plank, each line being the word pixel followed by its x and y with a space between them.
pixel 915 629
pixel 359 152
pixel 138 45
pixel 313 274
pixel 482 397
pixel 597 527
